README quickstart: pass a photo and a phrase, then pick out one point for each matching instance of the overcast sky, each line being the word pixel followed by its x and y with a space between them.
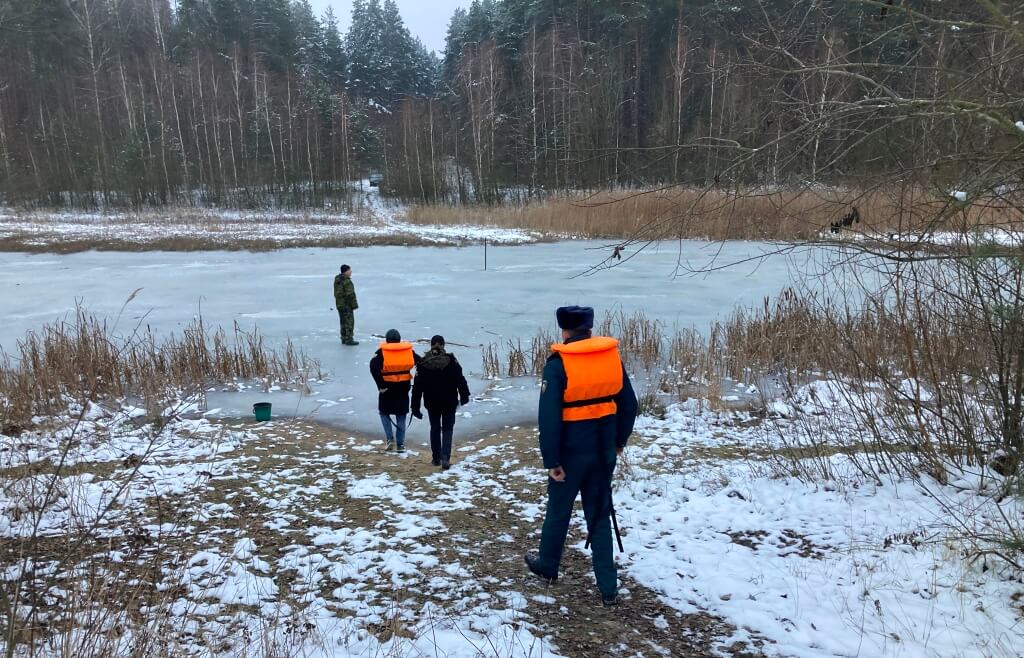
pixel 426 19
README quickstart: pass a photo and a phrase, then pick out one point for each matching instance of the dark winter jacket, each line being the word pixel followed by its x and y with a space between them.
pixel 601 435
pixel 395 398
pixel 439 383
pixel 344 293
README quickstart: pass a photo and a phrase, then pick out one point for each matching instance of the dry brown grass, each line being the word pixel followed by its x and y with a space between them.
pixel 84 360
pixel 785 338
pixel 719 215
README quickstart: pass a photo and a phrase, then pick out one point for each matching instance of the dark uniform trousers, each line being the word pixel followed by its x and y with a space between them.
pixel 588 474
pixel 586 450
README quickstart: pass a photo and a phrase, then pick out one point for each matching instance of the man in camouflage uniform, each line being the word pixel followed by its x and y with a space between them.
pixel 345 302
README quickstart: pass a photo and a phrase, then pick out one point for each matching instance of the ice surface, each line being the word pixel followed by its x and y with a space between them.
pixel 420 291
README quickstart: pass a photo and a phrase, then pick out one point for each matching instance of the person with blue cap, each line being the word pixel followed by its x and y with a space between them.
pixel 586 414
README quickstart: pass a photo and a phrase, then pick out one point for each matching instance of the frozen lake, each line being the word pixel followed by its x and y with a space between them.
pixel 420 291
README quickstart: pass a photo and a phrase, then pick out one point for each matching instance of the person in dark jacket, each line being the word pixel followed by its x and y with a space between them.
pixel 586 414
pixel 391 367
pixel 442 387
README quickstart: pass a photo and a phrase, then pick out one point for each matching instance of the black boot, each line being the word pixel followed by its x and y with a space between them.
pixel 609 601
pixel 533 564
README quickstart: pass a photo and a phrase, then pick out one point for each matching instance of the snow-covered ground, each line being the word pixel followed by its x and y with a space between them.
pixel 421 291
pixel 317 543
pixel 373 222
pixel 833 568
pixel 992 235
pixel 287 551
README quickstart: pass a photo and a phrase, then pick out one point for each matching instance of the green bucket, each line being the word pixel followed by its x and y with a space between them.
pixel 261 410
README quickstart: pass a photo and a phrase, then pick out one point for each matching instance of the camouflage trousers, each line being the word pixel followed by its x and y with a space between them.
pixel 347 317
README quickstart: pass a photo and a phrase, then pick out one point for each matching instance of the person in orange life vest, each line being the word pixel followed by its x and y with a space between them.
pixel 586 414
pixel 391 367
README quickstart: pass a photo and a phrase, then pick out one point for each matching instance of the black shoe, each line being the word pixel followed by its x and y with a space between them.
pixel 435 462
pixel 445 465
pixel 390 446
pixel 401 448
pixel 350 342
pixel 609 601
pixel 531 560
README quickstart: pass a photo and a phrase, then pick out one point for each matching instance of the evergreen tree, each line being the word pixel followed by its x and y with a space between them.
pixel 333 50
pixel 385 63
pixel 194 26
pixel 363 44
pixel 426 69
pixel 454 40
pixel 397 52
pixel 274 33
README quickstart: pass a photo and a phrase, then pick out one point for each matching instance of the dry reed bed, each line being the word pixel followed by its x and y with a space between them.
pixel 211 219
pixel 676 213
pixel 83 360
pixel 796 338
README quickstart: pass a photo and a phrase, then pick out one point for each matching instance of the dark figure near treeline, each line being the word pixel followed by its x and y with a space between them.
pixel 586 414
pixel 847 220
pixel 442 387
pixel 345 302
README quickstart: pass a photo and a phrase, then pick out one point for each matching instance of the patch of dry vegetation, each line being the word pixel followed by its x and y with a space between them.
pixel 779 338
pixel 84 359
pixel 677 213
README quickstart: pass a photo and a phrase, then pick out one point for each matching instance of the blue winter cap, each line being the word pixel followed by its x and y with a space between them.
pixel 575 318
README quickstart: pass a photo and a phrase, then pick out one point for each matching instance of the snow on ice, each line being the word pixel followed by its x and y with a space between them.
pixel 373 220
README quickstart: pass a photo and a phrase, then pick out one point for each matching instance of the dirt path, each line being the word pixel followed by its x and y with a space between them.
pixel 318 528
pixel 489 538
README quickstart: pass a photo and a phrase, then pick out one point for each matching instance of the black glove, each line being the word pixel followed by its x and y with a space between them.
pixel 416 413
pixel 464 401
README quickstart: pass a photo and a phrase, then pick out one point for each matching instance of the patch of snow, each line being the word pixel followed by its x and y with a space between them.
pixel 819 571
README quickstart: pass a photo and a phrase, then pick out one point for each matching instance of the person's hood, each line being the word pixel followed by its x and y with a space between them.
pixel 433 360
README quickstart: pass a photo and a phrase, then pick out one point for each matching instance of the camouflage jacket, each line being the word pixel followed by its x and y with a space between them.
pixel 344 293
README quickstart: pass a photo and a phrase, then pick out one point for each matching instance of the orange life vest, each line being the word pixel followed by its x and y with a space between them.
pixel 398 362
pixel 593 373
